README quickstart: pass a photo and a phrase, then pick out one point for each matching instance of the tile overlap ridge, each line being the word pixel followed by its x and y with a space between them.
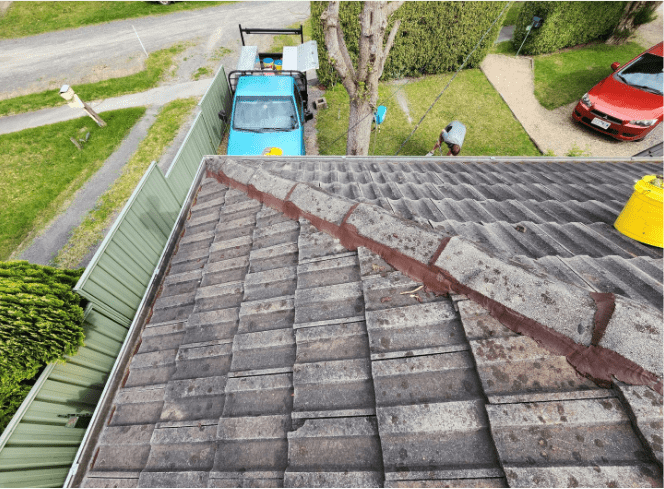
pixel 603 336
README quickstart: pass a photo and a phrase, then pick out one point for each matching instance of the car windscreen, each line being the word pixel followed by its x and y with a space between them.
pixel 644 73
pixel 265 114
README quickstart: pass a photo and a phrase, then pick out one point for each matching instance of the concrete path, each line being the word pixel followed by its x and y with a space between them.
pixel 155 97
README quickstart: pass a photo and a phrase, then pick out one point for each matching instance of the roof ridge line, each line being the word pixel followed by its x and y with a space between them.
pixel 559 316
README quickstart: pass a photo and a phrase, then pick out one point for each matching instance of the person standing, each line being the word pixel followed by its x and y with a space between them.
pixel 453 136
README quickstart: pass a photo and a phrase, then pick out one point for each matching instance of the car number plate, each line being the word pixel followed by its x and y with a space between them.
pixel 600 123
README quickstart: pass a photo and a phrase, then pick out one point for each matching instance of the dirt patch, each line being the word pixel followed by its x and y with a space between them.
pixel 3 7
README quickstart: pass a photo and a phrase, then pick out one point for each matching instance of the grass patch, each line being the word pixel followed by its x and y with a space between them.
pixel 156 69
pixel 492 130
pixel 278 42
pixel 513 13
pixel 91 230
pixel 220 53
pixel 40 169
pixel 202 71
pixel 30 18
pixel 505 47
pixel 564 77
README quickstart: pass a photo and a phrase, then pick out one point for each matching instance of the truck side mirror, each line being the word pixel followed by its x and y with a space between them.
pixel 615 66
pixel 308 116
pixel 222 115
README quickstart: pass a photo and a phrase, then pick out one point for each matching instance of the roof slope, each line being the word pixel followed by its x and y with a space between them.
pixel 276 356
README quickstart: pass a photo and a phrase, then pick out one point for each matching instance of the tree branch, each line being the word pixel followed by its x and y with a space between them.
pixel 388 44
pixel 336 48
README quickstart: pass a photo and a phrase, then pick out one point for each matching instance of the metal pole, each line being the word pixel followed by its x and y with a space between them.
pixel 139 40
pixel 524 39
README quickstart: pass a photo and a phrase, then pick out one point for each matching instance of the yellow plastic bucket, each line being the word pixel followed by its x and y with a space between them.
pixel 641 218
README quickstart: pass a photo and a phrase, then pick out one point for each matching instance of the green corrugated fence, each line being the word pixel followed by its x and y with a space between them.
pixel 43 439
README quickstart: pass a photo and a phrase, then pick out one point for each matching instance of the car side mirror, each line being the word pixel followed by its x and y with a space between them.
pixel 615 66
pixel 222 115
pixel 308 115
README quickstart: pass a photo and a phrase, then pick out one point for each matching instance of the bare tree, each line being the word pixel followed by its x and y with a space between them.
pixel 361 82
pixel 627 24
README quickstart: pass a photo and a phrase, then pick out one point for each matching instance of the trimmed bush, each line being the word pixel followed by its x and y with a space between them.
pixel 41 321
pixel 565 24
pixel 434 37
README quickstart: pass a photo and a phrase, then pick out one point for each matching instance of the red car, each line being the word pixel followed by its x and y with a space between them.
pixel 628 104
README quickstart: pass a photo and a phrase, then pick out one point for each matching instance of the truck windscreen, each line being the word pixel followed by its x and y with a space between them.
pixel 265 114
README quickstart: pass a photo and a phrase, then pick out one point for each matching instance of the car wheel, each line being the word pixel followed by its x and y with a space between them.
pixel 165 3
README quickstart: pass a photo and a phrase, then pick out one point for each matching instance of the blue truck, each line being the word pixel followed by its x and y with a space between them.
pixel 270 98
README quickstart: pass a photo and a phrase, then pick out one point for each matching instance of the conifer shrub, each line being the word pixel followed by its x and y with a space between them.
pixel 433 38
pixel 41 321
pixel 565 24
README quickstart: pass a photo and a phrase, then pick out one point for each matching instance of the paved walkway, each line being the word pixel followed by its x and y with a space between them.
pixel 155 97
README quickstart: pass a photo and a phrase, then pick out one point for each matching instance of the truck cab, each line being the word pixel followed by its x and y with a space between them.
pixel 270 106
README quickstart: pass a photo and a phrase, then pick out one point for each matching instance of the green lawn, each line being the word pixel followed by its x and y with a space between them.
pixel 157 66
pixel 563 78
pixel 513 13
pixel 278 42
pixel 40 170
pixel 91 230
pixel 492 130
pixel 30 18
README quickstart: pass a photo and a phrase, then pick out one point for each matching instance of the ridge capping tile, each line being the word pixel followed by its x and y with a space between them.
pixel 334 413
pixel 475 473
pixel 562 307
pixel 235 171
pixel 272 184
pixel 323 205
pixel 643 342
pixel 383 227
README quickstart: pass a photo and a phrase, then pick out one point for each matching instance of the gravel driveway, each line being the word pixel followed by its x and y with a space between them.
pixel 555 130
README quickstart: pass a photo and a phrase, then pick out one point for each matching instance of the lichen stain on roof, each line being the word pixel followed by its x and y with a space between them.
pixel 277 356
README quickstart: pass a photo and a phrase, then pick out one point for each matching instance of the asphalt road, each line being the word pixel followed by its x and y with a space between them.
pixel 102 51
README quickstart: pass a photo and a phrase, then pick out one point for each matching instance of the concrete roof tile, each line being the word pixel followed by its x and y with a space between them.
pixel 638 475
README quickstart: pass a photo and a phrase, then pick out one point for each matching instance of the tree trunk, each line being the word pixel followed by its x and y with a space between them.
pixel 360 120
pixel 361 81
pixel 626 26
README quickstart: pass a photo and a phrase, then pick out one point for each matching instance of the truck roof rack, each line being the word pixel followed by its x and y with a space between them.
pixel 254 30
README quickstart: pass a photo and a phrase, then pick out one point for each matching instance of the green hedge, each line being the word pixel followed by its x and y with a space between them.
pixel 434 37
pixel 41 320
pixel 565 24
